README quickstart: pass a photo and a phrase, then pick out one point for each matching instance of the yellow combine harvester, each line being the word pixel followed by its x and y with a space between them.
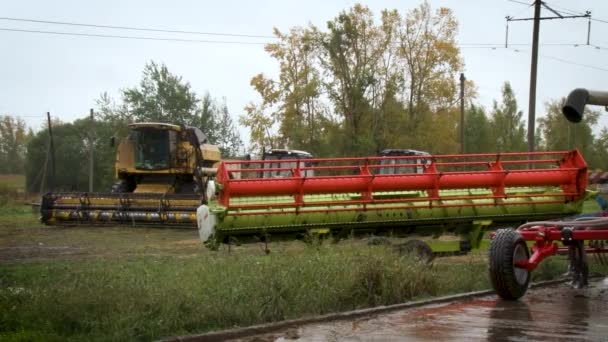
pixel 161 171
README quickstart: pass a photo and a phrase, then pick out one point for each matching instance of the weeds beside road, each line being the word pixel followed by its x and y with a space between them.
pixel 142 284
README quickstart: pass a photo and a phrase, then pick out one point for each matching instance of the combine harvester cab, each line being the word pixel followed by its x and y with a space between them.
pixel 161 171
pixel 391 194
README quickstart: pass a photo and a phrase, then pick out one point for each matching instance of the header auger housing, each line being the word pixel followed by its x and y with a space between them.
pixel 423 194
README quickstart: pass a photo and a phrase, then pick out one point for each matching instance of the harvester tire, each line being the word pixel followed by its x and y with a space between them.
pixel 506 248
pixel 120 187
pixel 420 250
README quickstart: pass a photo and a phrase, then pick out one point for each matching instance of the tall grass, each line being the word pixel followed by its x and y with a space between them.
pixel 148 298
pixel 143 299
pixel 126 297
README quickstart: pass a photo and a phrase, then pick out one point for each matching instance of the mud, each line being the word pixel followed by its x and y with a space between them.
pixel 556 313
pixel 34 253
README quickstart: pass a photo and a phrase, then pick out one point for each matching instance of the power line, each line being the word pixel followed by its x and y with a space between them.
pixel 565 11
pixel 492 46
pixel 522 44
pixel 133 28
pixel 132 37
pixel 565 61
pixel 522 11
pixel 520 2
pixel 573 63
pixel 575 12
pixel 599 20
pixel 26 116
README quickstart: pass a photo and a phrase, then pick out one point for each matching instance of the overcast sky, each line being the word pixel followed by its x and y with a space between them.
pixel 65 74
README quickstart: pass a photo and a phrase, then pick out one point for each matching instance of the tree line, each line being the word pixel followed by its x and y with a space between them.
pixel 361 84
pixel 160 97
pixel 366 83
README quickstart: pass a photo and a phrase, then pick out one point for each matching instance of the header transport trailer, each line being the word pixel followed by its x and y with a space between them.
pixel 515 253
pixel 396 195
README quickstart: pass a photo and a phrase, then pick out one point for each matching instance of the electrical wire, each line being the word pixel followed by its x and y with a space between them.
pixel 565 61
pixel 520 12
pixel 133 28
pixel 575 12
pixel 521 44
pixel 131 37
pixel 573 63
pixel 492 46
pixel 520 2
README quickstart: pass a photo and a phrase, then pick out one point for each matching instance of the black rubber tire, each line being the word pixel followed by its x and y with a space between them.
pixel 507 247
pixel 120 187
pixel 418 249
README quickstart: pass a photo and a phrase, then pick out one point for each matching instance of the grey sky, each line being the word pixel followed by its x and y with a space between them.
pixel 65 74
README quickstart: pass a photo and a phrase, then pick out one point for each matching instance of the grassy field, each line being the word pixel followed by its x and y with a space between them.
pixel 12 188
pixel 128 284
pixel 12 181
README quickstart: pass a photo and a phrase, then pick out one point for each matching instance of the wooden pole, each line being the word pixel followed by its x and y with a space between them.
pixel 52 150
pixel 91 150
pixel 462 79
pixel 533 68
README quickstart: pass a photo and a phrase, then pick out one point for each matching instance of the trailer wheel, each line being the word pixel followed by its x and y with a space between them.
pixel 506 248
pixel 418 249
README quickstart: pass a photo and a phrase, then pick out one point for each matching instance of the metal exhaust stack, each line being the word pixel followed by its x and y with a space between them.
pixel 578 98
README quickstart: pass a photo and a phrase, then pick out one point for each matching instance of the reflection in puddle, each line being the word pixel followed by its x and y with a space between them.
pixel 556 313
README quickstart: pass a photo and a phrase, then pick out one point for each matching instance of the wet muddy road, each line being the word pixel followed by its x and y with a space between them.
pixel 556 313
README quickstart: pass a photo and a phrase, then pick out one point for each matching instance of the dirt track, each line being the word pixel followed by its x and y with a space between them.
pixel 30 241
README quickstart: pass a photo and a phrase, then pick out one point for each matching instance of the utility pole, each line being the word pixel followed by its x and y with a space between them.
pixel 533 67
pixel 91 150
pixel 534 61
pixel 462 79
pixel 52 150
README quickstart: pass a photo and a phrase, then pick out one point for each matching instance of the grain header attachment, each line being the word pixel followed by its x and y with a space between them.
pixel 391 194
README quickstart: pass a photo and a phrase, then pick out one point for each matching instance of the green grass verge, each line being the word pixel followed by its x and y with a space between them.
pixel 148 298
pixel 144 284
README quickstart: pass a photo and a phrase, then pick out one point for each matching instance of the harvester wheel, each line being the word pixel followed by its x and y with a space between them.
pixel 507 248
pixel 418 249
pixel 120 187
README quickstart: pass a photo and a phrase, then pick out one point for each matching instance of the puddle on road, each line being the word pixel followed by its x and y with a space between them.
pixel 557 313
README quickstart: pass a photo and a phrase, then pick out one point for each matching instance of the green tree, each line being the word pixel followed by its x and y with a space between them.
pixel 507 123
pixel 291 112
pixel 71 144
pixel 478 132
pixel 164 97
pixel 432 59
pixel 601 151
pixel 560 134
pixel 221 129
pixel 352 52
pixel 161 97
pixel 13 140
pixel 362 85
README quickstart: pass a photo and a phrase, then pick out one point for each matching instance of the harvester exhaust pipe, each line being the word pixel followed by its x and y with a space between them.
pixel 577 99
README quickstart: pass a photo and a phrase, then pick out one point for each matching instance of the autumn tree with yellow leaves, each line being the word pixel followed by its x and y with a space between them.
pixel 362 84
